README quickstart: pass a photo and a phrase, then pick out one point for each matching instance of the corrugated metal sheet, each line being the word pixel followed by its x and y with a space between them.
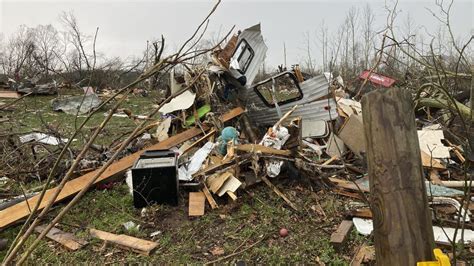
pixel 309 108
pixel 254 38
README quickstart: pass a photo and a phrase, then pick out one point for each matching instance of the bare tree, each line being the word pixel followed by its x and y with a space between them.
pixel 18 51
pixel 368 33
pixel 46 42
pixel 78 40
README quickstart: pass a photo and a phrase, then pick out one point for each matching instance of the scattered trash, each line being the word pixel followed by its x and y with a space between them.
pixel 233 127
pixel 42 138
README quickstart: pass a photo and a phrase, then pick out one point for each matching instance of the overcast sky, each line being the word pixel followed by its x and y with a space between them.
pixel 125 26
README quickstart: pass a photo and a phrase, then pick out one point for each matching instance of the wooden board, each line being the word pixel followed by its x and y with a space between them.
pixel 340 235
pixel 352 133
pixel 209 197
pixel 68 240
pixel 21 210
pixel 196 203
pixel 261 149
pixel 138 245
pixel 10 94
pixel 215 182
pixel 429 162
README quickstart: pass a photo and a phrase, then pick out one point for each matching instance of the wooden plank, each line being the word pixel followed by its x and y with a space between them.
pixel 209 197
pixel 362 213
pixel 346 184
pixel 332 159
pixel 9 94
pixel 216 181
pixel 429 162
pixel 403 231
pixel 352 133
pixel 261 149
pixel 196 203
pixel 339 236
pixel 21 210
pixel 68 240
pixel 138 245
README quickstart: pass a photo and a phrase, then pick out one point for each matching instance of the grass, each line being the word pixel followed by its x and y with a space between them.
pixel 234 226
pixel 257 215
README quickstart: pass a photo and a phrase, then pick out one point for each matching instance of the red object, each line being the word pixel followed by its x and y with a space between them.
pixel 283 232
pixel 377 79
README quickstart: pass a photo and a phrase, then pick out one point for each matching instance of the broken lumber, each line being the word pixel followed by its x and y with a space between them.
pixel 196 203
pixel 68 240
pixel 402 220
pixel 339 236
pixel 138 245
pixel 262 149
pixel 21 210
pixel 209 197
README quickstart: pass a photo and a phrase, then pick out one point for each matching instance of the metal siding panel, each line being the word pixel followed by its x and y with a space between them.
pixel 254 38
pixel 309 108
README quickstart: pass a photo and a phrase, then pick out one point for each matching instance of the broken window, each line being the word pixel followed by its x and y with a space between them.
pixel 281 89
pixel 242 56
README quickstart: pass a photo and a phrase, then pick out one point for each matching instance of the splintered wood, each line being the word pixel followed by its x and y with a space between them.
pixel 196 203
pixel 138 245
pixel 68 240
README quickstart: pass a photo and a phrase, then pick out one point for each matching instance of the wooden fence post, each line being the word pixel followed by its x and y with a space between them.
pixel 403 231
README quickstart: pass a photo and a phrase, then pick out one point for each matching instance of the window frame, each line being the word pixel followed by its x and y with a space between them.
pixel 252 55
pixel 293 78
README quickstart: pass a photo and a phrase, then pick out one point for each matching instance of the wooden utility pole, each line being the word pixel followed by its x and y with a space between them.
pixel 402 221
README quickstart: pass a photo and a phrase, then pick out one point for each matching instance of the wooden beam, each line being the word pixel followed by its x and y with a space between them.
pixel 403 232
pixel 261 149
pixel 138 245
pixel 209 197
pixel 68 240
pixel 340 235
pixel 21 210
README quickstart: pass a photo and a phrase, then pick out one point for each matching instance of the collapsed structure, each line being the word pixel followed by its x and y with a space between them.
pixel 286 125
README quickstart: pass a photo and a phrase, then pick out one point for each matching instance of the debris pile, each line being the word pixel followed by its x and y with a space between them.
pixel 224 130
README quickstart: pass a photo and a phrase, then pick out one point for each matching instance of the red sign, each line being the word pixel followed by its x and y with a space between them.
pixel 377 79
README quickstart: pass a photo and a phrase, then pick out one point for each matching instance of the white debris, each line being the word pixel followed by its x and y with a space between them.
pixel 430 143
pixel 442 235
pixel 275 140
pixel 180 102
pixel 186 172
pixel 42 138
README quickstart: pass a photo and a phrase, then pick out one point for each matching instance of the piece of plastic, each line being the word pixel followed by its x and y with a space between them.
pixel 441 259
pixel 203 110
